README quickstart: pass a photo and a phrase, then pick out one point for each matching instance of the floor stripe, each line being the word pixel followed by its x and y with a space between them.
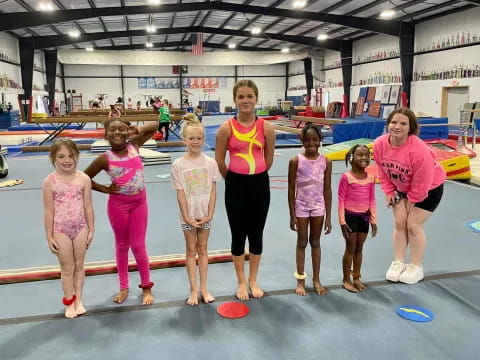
pixel 181 303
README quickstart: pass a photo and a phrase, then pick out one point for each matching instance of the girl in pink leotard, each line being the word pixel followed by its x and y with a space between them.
pixel 310 202
pixel 69 224
pixel 127 203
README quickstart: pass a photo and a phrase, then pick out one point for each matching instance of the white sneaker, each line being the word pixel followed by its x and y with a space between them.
pixel 394 271
pixel 412 274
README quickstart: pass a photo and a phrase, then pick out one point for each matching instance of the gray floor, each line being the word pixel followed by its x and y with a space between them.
pixel 281 326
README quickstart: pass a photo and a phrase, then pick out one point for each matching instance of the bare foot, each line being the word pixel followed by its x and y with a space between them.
pixel 70 312
pixel 148 297
pixel 207 298
pixel 193 298
pixel 79 308
pixel 319 289
pixel 359 285
pixel 257 291
pixel 300 290
pixel 347 285
pixel 242 292
pixel 120 296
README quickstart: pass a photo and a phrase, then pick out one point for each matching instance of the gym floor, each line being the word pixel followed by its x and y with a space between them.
pixel 281 325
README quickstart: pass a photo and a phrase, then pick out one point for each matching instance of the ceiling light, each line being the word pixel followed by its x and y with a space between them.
pixel 322 37
pixel 89 48
pixel 256 30
pixel 151 28
pixel 232 46
pixel 74 33
pixel 149 45
pixel 387 14
pixel 299 4
pixel 46 6
pixel 154 2
pixel 285 50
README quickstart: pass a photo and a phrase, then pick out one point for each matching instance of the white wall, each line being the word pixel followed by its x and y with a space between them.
pixel 127 57
pixel 427 95
pixel 429 33
pixel 378 46
pixel 9 47
pixel 90 80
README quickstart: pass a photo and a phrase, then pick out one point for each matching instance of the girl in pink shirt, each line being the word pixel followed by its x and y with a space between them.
pixel 412 180
pixel 356 211
pixel 127 206
pixel 194 176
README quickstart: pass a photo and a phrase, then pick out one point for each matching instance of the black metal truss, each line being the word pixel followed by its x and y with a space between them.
pixel 11 21
pixel 169 44
pixel 43 42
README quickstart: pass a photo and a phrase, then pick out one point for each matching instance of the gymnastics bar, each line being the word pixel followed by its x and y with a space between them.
pixel 39 273
pixel 287 129
pixel 60 123
pixel 46 148
pixel 314 120
pixel 464 126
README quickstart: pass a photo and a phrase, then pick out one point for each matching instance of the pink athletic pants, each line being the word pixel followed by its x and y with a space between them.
pixel 128 216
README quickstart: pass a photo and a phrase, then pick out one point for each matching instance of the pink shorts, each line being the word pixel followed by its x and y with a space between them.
pixel 309 213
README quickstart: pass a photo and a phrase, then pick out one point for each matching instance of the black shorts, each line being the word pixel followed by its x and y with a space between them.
pixel 357 223
pixel 432 200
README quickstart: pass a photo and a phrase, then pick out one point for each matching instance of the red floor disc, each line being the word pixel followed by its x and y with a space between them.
pixel 233 310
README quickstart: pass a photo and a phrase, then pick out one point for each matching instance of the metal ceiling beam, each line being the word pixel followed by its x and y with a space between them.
pixel 350 13
pixel 250 21
pixel 12 21
pixel 177 44
pixel 427 10
pixel 474 2
pixel 93 6
pixel 222 25
pixel 42 42
pixel 396 8
pixel 303 22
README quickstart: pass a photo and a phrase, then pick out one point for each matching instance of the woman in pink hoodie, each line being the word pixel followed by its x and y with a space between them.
pixel 412 180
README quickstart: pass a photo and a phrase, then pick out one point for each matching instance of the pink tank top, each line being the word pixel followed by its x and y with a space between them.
pixel 68 208
pixel 246 148
pixel 126 171
pixel 309 183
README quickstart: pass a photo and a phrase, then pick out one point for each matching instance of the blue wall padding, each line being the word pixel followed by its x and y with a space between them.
pixel 433 132
pixel 356 129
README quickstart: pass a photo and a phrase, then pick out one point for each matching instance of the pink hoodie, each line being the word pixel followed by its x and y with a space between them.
pixel 411 168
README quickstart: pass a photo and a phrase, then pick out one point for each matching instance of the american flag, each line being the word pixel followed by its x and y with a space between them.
pixel 197 44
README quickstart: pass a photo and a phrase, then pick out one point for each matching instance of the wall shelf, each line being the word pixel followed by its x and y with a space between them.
pixel 5 90
pixel 446 49
pixel 9 62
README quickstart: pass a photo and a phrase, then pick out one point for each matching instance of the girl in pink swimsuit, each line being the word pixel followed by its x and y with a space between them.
pixel 127 203
pixel 310 203
pixel 69 224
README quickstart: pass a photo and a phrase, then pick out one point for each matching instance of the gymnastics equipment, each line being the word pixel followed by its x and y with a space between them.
pixel 39 273
pixel 3 165
pixel 233 310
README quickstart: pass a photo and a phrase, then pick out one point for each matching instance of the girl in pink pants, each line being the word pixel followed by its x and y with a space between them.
pixel 127 204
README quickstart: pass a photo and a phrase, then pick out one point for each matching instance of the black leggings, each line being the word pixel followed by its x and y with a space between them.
pixel 165 125
pixel 247 198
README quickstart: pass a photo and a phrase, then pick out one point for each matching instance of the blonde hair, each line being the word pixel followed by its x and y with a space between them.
pixel 190 120
pixel 69 144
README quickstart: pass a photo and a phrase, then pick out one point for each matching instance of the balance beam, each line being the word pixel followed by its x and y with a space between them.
pixel 320 121
pixel 287 129
pixel 39 273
